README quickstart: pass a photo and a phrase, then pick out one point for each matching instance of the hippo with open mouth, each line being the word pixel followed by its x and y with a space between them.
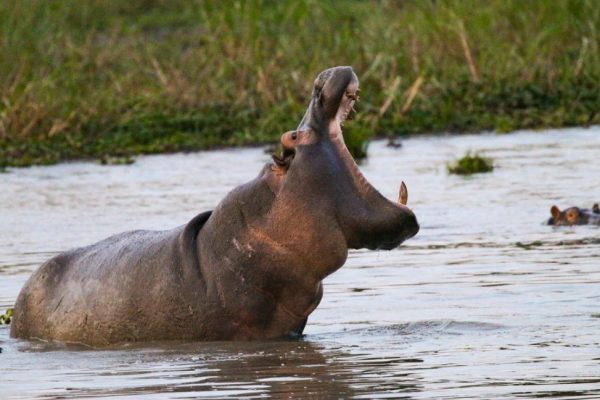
pixel 575 216
pixel 250 269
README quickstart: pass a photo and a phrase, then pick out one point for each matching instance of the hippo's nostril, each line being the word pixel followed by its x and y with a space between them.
pixel 294 135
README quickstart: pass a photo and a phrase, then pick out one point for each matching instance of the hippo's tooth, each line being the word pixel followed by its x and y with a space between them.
pixel 352 96
pixel 351 113
pixel 403 195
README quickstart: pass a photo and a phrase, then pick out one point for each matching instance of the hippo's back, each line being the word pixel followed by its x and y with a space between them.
pixel 124 288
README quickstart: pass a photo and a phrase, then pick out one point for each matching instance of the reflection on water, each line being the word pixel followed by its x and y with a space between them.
pixel 278 369
pixel 487 301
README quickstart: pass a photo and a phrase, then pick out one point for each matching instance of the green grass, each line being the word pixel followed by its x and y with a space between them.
pixel 471 164
pixel 89 78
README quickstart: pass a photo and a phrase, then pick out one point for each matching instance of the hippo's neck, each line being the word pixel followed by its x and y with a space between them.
pixel 262 270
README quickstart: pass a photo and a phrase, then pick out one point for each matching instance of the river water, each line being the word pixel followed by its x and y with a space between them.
pixel 485 302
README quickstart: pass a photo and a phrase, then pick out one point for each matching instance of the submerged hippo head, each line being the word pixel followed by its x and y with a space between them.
pixel 574 216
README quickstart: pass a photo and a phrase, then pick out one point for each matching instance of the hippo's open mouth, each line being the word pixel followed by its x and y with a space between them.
pixel 346 109
pixel 346 112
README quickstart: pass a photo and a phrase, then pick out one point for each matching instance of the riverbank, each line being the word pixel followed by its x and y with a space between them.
pixel 92 79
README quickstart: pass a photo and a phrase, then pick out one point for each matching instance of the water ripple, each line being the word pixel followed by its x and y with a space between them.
pixel 486 302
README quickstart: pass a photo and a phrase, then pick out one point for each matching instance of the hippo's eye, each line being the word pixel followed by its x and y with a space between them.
pixel 571 215
pixel 294 135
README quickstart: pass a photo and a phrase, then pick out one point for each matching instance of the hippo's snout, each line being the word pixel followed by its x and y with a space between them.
pixel 412 226
pixel 406 227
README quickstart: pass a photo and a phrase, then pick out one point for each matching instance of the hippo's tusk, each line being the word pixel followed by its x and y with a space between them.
pixel 403 195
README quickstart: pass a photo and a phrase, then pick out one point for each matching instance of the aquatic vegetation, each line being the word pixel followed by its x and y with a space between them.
pixel 471 164
pixel 6 317
pixel 84 79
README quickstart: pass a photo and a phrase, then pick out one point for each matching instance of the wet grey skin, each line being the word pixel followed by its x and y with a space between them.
pixel 250 269
pixel 575 216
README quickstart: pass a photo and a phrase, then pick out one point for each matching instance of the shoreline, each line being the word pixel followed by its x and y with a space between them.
pixel 271 146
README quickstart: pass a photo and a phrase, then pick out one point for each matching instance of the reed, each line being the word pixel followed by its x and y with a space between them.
pixel 95 78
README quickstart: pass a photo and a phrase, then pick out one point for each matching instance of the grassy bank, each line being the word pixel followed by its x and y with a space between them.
pixel 90 78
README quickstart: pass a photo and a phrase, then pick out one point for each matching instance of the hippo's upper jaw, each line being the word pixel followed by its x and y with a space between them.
pixel 334 93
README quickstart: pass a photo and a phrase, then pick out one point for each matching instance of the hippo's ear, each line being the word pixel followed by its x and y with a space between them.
pixel 555 211
pixel 596 208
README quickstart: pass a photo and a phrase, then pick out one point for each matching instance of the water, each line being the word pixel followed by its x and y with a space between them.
pixel 486 302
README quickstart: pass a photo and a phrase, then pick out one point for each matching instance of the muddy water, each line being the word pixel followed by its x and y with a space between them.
pixel 485 302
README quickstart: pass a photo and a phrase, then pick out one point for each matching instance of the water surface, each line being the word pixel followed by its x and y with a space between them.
pixel 487 301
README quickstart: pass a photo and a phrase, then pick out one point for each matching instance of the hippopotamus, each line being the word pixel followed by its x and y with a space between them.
pixel 250 269
pixel 575 216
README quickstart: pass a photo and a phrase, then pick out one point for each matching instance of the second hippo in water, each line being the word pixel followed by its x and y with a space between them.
pixel 575 216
